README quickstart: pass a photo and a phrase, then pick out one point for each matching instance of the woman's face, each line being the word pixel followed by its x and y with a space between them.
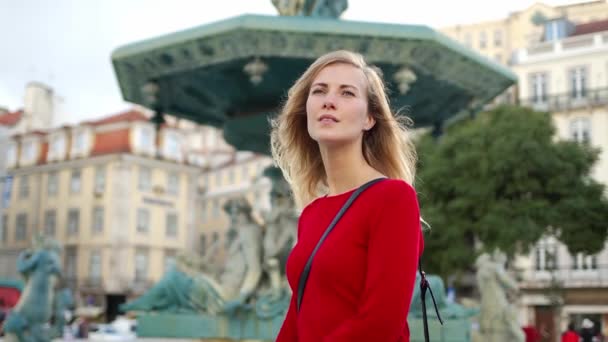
pixel 336 107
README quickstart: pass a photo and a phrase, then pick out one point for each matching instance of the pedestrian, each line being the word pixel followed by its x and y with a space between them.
pixel 570 335
pixel 335 134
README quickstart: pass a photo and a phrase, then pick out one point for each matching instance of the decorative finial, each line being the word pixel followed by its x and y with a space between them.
pixel 255 69
pixel 404 77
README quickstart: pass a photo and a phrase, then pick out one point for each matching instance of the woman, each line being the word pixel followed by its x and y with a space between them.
pixel 335 133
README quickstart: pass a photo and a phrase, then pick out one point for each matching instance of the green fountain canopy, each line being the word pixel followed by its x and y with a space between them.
pixel 235 73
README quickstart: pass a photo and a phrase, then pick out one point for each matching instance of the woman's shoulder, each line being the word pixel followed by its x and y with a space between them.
pixel 390 189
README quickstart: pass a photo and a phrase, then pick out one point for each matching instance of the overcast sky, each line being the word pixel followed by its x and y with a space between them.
pixel 67 44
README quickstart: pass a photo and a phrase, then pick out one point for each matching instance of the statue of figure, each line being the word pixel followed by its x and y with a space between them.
pixel 312 8
pixel 281 227
pixel 280 235
pixel 446 309
pixel 207 261
pixel 63 302
pixel 40 267
pixel 186 288
pixel 498 318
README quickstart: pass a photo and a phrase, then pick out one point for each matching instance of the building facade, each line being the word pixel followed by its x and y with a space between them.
pixel 121 196
pixel 568 77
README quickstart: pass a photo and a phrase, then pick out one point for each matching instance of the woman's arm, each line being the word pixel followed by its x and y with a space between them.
pixel 393 250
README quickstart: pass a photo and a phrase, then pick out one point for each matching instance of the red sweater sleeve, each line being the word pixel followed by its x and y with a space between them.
pixel 393 251
pixel 289 331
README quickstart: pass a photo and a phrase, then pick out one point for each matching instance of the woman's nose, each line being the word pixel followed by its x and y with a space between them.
pixel 328 102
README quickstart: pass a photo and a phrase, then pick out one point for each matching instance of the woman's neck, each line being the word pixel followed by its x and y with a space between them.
pixel 346 168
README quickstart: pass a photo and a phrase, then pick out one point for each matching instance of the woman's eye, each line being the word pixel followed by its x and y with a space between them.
pixel 317 91
pixel 348 93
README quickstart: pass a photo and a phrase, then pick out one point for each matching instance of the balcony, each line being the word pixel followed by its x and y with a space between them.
pixel 566 277
pixel 92 284
pixel 566 101
pixel 564 47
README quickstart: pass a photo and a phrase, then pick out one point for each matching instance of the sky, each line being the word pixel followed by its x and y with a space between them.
pixel 66 44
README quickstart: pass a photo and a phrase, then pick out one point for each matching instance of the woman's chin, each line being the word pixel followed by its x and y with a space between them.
pixel 331 141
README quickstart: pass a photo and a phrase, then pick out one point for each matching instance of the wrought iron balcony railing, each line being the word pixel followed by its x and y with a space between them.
pixel 566 277
pixel 586 98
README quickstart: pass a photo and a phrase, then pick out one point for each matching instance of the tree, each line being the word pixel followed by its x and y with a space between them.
pixel 502 179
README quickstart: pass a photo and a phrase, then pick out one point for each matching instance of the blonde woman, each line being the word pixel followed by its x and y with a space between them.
pixel 335 133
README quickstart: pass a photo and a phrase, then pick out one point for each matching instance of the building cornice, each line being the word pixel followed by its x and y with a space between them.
pixel 92 161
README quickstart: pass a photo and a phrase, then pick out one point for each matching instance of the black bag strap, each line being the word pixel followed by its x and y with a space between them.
pixel 306 271
pixel 424 285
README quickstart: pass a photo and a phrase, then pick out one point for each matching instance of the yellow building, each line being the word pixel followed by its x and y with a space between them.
pixel 499 39
pixel 122 201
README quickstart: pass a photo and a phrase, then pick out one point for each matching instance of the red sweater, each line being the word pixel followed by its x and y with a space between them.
pixel 362 278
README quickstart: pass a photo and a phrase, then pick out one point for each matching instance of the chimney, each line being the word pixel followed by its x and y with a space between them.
pixel 39 106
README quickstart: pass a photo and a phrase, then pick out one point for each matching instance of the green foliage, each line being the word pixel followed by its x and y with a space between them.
pixel 503 179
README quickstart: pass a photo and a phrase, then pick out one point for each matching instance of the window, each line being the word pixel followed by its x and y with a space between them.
pixel 498 58
pixel 580 130
pixel 97 220
pixel 75 181
pixel 203 244
pixel 171 225
pixel 539 88
pixel 50 222
pixel 147 137
pixel 95 266
pixel 545 256
pixel 581 261
pixel 145 178
pixel 245 172
pixel 169 259
pixel 482 40
pixel 556 29
pixel 143 220
pixel 58 147
pixel 79 141
pixel 24 186
pixel 4 229
pixel 231 175
pixel 21 227
pixel 11 154
pixel 468 39
pixel 71 260
pixel 218 178
pixel 141 265
pixel 73 222
pixel 53 185
pixel 100 179
pixel 29 151
pixel 215 209
pixel 173 183
pixel 578 86
pixel 172 144
pixel 497 38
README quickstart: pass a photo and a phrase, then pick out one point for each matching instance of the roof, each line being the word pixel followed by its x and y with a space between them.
pixel 207 74
pixel 11 119
pixel 592 27
pixel 111 142
pixel 582 3
pixel 128 116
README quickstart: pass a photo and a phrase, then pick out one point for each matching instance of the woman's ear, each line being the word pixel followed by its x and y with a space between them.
pixel 370 122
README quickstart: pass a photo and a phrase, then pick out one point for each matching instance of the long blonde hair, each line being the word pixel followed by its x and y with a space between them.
pixel 386 147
